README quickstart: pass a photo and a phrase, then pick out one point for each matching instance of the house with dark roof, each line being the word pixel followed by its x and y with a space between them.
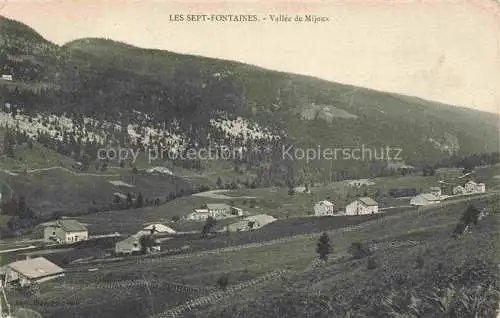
pixel 362 206
pixel 33 270
pixel 65 232
pixel 133 244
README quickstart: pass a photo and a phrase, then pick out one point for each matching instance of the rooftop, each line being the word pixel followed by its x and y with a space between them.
pixel 217 206
pixel 72 226
pixel 367 201
pixel 429 197
pixel 325 202
pixel 36 267
pixel 160 228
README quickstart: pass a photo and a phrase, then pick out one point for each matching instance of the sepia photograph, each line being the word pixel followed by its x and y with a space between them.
pixel 249 159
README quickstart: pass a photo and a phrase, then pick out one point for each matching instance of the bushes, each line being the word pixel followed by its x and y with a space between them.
pixel 359 250
pixel 223 282
pixel 372 263
pixel 470 216
pixel 324 247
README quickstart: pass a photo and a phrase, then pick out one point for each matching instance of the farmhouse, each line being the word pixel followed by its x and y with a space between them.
pixel 424 199
pixel 7 77
pixel 236 211
pixel 133 245
pixel 218 210
pixel 436 191
pixel 323 208
pixel 215 210
pixel 156 228
pixel 362 205
pixel 65 232
pixel 473 187
pixel 250 223
pixel 29 271
pixel 198 214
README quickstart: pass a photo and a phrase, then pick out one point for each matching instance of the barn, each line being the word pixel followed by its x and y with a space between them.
pixel 362 206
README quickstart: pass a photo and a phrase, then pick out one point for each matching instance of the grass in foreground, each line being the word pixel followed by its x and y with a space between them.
pixel 441 277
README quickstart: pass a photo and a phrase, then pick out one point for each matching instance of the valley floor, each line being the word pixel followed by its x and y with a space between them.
pixel 285 279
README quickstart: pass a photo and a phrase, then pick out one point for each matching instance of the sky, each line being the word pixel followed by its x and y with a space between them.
pixel 442 50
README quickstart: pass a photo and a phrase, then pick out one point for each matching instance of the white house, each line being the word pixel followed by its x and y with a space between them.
pixel 323 208
pixel 250 223
pixel 29 271
pixel 198 215
pixel 361 206
pixel 156 228
pixel 481 188
pixel 218 210
pixel 7 77
pixel 236 211
pixel 424 199
pixel 215 210
pixel 436 191
pixel 473 187
pixel 65 232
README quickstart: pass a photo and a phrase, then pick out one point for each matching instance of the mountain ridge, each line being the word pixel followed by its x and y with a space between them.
pixel 110 80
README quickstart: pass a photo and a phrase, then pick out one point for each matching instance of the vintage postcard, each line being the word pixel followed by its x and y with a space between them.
pixel 249 159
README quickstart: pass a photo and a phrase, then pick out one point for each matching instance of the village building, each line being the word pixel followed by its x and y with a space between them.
pixel 198 215
pixel 7 77
pixel 65 232
pixel 250 223
pixel 218 210
pixel 473 187
pixel 424 199
pixel 29 271
pixel 436 191
pixel 323 208
pixel 214 210
pixel 156 228
pixel 362 206
pixel 132 245
pixel 236 211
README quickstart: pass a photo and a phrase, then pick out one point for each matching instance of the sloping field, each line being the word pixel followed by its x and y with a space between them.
pixel 84 193
pixel 452 274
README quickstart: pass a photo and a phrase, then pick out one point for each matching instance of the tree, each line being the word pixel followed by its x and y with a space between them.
pixel 146 242
pixel 223 282
pixel 359 250
pixel 208 226
pixel 8 144
pixel 471 215
pixel 219 183
pixel 130 202
pixel 323 247
pixel 139 202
